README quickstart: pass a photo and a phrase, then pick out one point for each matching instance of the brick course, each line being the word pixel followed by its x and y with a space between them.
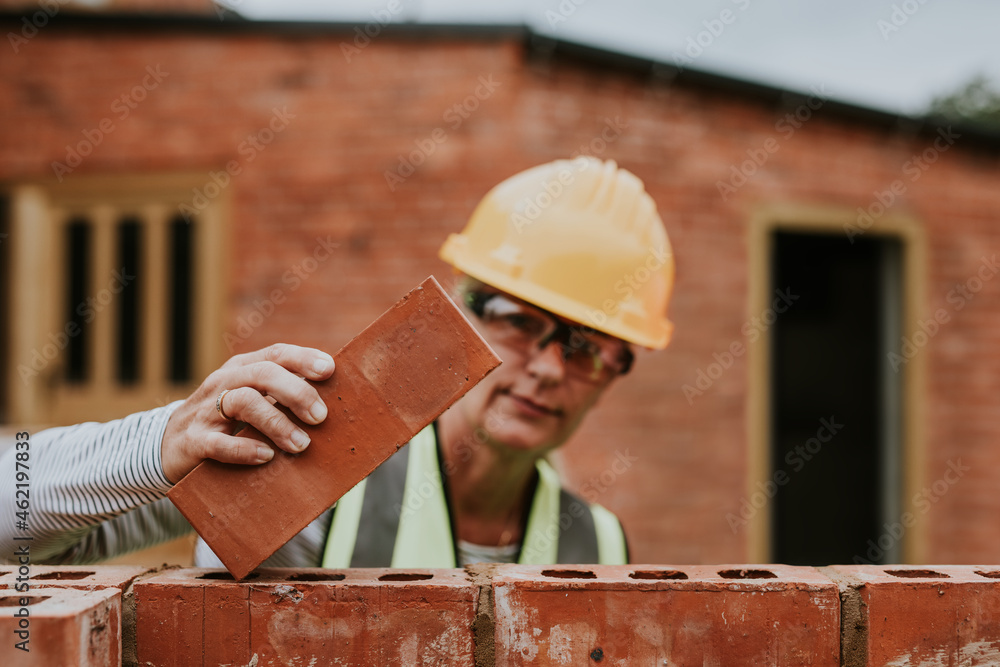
pixel 760 614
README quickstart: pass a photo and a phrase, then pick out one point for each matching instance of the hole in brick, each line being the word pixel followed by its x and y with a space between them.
pixel 917 574
pixel 63 576
pixel 225 576
pixel 16 601
pixel 747 574
pixel 405 576
pixel 315 576
pixel 995 574
pixel 658 574
pixel 569 574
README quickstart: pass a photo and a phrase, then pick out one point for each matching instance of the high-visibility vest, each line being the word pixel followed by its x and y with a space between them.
pixel 399 517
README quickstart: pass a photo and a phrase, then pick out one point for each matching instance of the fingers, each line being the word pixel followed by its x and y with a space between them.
pixel 307 362
pixel 196 431
pixel 278 383
pixel 248 405
pixel 234 449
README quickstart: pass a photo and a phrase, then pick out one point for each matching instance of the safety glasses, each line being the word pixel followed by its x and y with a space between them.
pixel 587 354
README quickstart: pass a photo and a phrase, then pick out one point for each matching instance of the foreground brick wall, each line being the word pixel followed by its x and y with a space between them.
pixel 731 615
pixel 65 626
pixel 645 615
pixel 472 111
pixel 920 616
pixel 361 617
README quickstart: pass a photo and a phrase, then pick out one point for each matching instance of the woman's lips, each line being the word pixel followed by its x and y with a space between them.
pixel 530 407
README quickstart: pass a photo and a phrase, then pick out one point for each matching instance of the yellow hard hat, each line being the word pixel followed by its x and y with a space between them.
pixel 580 238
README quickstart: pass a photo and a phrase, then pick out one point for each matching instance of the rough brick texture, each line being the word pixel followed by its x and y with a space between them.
pixel 855 616
pixel 309 616
pixel 360 115
pixel 84 577
pixel 392 380
pixel 65 627
pixel 653 615
pixel 932 615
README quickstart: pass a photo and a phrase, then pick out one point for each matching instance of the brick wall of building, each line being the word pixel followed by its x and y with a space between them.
pixel 472 110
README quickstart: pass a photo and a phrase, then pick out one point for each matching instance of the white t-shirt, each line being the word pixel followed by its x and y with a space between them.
pixel 469 553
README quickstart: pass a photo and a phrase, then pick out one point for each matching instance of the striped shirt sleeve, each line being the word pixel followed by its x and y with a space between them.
pixel 96 491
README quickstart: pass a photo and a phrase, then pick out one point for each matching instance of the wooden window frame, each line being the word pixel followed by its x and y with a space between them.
pixel 39 212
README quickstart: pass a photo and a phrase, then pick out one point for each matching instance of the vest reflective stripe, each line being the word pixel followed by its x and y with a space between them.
pixel 424 536
pixel 541 535
pixel 611 547
pixel 344 528
pixel 402 510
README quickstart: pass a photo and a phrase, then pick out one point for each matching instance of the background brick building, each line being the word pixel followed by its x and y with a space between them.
pixel 325 166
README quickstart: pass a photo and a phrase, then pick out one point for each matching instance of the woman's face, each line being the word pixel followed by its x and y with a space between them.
pixel 534 400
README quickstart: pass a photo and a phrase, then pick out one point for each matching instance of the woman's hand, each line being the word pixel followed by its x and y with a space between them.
pixel 197 431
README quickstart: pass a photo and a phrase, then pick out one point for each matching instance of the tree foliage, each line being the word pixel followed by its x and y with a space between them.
pixel 978 101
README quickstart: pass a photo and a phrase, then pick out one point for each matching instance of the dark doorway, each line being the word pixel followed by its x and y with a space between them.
pixel 835 398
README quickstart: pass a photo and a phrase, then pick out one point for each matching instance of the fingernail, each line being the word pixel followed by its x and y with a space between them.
pixel 300 440
pixel 318 411
pixel 322 366
pixel 264 454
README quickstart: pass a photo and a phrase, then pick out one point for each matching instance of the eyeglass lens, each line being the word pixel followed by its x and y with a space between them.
pixel 584 352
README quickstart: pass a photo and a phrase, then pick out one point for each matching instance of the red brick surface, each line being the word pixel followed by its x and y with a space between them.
pixel 393 379
pixel 86 577
pixel 65 627
pixel 655 615
pixel 306 616
pixel 323 177
pixel 929 615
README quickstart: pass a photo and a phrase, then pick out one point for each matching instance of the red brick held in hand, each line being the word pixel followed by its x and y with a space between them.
pixel 393 379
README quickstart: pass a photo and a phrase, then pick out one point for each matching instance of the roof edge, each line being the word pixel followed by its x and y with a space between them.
pixel 538 44
pixel 229 22
pixel 665 73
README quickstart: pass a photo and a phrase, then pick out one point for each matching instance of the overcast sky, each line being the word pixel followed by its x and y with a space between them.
pixel 888 54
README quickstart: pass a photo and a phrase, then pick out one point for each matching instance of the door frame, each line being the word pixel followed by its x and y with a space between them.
pixel 800 218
